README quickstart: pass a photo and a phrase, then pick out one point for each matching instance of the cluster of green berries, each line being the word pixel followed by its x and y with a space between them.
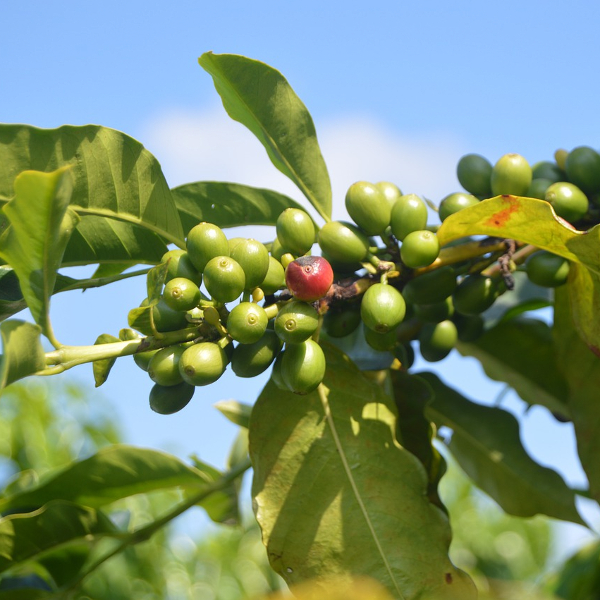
pixel 251 305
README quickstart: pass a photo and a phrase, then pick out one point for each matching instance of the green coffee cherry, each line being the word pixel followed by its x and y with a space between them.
pixel 390 190
pixel 253 257
pixel 455 202
pixel 474 173
pixel 277 250
pixel 382 308
pixel 203 363
pixel 547 269
pixel 583 169
pixel 469 327
pixel 436 312
pixel 142 359
pixel 343 242
pixel 180 265
pixel 296 231
pixel 340 322
pixel 233 242
pixel 419 249
pixel 165 318
pixel 303 366
pixel 296 322
pixel 548 170
pixel 167 400
pixel 250 360
pixel 475 294
pixel 409 214
pixel 164 366
pixel 437 340
pixel 224 278
pixel 368 207
pixel 568 201
pixel 181 294
pixel 275 278
pixel 538 188
pixel 204 242
pixel 511 175
pixel 433 286
pixel 247 322
pixel 382 342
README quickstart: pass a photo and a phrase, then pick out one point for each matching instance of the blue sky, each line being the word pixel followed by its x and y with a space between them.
pixel 398 91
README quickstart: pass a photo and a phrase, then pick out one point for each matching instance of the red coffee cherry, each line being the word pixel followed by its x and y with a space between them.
pixel 309 278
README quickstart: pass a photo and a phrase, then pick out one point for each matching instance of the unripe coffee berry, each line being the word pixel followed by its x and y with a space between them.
pixel 368 207
pixel 253 257
pixel 224 278
pixel 409 214
pixel 164 366
pixel 309 278
pixel 343 242
pixel 204 242
pixel 203 363
pixel 296 322
pixel 382 308
pixel 419 249
pixel 295 231
pixel 247 322
pixel 181 294
pixel 167 400
pixel 303 366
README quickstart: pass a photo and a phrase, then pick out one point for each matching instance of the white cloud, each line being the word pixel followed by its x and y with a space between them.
pixel 208 145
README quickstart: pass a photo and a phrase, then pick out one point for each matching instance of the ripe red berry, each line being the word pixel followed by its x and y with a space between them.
pixel 309 278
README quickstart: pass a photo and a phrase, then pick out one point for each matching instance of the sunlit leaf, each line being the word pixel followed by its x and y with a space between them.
pixel 260 98
pixel 40 226
pixel 236 412
pixel 337 496
pixel 22 351
pixel 487 445
pixel 228 204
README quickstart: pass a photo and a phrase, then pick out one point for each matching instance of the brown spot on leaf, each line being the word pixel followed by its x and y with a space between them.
pixel 500 218
pixel 448 578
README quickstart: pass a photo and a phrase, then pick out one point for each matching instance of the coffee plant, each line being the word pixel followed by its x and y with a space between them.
pixel 343 440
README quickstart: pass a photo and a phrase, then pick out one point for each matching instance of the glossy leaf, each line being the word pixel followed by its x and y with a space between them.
pixel 26 536
pixel 22 351
pixel 228 204
pixel 260 98
pixel 337 496
pixel 101 368
pixel 520 353
pixel 487 445
pixel 581 369
pixel 109 475
pixel 415 431
pixel 511 217
pixel 237 412
pixel 40 226
pixel 114 175
pixel 11 298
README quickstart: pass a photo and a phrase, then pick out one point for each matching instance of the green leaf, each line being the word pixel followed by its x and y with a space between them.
pixel 114 175
pixel 511 217
pixel 222 506
pixel 260 98
pixel 415 431
pixel 579 577
pixel 228 204
pixel 155 281
pixel 520 352
pixel 101 368
pixel 113 473
pixel 581 369
pixel 40 226
pixel 108 241
pixel 487 445
pixel 26 536
pixel 336 495
pixel 23 353
pixel 237 412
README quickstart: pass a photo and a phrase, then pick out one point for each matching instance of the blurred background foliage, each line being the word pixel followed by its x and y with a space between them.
pixel 45 425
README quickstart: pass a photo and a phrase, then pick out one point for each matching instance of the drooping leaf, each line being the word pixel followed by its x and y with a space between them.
pixel 114 175
pixel 512 217
pixel 101 368
pixel 22 351
pixel 109 475
pixel 237 412
pixel 221 506
pixel 40 226
pixel 228 204
pixel 520 352
pixel 260 98
pixel 25 536
pixel 487 445
pixel 337 496
pixel 111 269
pixel 155 281
pixel 415 431
pixel 581 369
